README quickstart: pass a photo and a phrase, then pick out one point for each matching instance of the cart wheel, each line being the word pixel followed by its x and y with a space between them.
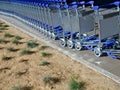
pixel 50 34
pixel 97 52
pixel 45 33
pixel 78 46
pixel 42 30
pixel 70 44
pixel 53 36
pixel 77 35
pixel 62 42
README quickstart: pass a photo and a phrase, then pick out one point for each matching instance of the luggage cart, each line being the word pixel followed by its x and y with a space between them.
pixel 57 25
pixel 49 22
pixel 42 17
pixel 6 8
pixel 65 18
pixel 46 19
pixel 76 18
pixel 74 22
pixel 52 8
pixel 108 25
pixel 56 21
pixel 90 41
pixel 36 17
pixel 87 27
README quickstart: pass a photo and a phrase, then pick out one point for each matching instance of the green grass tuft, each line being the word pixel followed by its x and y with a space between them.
pixel 44 47
pixel 4 25
pixel 6 58
pixel 8 35
pixel 22 88
pixel 44 54
pixel 32 44
pixel 3 28
pixel 44 63
pixel 50 80
pixel 16 88
pixel 74 85
pixel 18 37
pixel 15 41
pixel 12 49
pixel 2 41
pixel 26 52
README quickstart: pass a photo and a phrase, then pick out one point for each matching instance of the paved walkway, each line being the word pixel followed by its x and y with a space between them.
pixel 104 65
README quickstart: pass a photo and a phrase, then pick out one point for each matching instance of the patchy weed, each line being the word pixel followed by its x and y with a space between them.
pixel 44 54
pixel 12 49
pixel 18 37
pixel 32 44
pixel 15 41
pixel 7 35
pixel 44 47
pixel 26 52
pixel 74 85
pixel 44 63
pixel 22 88
pixel 6 58
pixel 50 80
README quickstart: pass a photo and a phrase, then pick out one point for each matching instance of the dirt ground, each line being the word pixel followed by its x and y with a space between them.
pixel 27 71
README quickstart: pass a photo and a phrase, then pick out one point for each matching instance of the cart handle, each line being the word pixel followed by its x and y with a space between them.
pixel 65 6
pixel 74 6
pixel 95 8
pixel 91 3
pixel 57 6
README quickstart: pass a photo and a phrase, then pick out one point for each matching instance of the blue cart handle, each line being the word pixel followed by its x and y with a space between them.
pixel 73 3
pixel 57 6
pixel 46 5
pixel 81 3
pixel 65 6
pixel 75 6
pixel 95 8
pixel 64 0
pixel 117 3
pixel 91 3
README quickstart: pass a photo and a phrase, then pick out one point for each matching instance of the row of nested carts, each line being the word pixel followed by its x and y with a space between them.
pixel 78 25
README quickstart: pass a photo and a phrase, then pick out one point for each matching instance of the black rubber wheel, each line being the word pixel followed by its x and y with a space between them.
pixel 97 52
pixel 63 43
pixel 78 46
pixel 70 44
